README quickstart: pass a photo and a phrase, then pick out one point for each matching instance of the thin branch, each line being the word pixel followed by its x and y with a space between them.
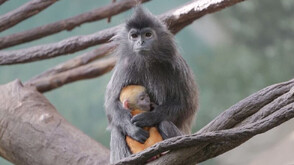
pixel 204 145
pixel 84 59
pixel 27 10
pixel 2 1
pixel 67 46
pixel 175 19
pixel 91 70
pixel 33 132
pixel 67 24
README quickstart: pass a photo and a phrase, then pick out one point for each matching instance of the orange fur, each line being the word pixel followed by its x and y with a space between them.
pixel 154 138
pixel 130 93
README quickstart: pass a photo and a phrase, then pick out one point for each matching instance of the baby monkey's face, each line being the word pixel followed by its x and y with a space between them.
pixel 143 101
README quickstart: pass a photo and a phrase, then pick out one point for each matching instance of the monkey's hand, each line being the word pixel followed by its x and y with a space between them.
pixel 137 133
pixel 147 119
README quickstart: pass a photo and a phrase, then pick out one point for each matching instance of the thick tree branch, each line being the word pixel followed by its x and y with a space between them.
pixel 67 24
pixel 91 70
pixel 33 132
pixel 214 141
pixel 250 105
pixel 175 19
pixel 25 11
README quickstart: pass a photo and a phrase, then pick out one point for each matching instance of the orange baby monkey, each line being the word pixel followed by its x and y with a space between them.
pixel 136 99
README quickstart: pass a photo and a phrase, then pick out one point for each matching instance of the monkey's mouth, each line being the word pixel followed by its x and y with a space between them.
pixel 142 49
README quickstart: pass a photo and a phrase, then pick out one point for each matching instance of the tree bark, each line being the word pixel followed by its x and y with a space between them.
pixel 33 132
pixel 29 9
pixel 91 70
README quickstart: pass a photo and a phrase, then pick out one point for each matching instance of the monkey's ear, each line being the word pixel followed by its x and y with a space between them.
pixel 126 104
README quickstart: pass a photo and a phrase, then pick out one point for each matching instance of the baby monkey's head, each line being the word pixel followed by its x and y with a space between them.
pixel 135 97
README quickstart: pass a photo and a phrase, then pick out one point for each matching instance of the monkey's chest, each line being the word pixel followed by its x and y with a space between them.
pixel 160 83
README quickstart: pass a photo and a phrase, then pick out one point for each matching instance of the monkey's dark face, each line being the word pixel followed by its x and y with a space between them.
pixel 142 40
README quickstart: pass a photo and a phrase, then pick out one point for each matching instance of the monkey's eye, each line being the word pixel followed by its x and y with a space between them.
pixel 148 34
pixel 134 35
pixel 142 98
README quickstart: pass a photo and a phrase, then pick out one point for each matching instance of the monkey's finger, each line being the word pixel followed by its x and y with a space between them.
pixel 143 120
pixel 141 136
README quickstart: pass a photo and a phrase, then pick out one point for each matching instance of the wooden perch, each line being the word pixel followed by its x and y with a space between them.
pixel 33 132
pixel 27 10
pixel 67 24
pixel 91 70
pixel 175 19
pixel 214 140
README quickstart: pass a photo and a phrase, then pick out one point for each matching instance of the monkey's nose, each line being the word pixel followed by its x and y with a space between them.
pixel 140 42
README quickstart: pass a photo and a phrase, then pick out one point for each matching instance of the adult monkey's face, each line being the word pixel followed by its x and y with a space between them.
pixel 142 40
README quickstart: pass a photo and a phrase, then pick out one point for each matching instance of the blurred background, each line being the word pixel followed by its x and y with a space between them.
pixel 233 53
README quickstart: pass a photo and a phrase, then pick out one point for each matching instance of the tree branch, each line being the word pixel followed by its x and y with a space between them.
pixel 91 70
pixel 216 140
pixel 175 19
pixel 25 11
pixel 33 132
pixel 2 1
pixel 67 24
pixel 84 59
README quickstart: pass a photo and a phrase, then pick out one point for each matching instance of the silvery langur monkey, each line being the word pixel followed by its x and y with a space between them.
pixel 147 56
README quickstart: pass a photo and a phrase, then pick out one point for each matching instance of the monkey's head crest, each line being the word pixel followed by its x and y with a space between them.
pixel 142 18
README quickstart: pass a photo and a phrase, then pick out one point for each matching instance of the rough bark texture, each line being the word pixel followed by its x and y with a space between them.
pixel 67 24
pixel 29 9
pixel 175 19
pixel 33 132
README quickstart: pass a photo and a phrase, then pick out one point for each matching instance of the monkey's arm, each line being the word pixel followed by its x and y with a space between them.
pixel 120 118
pixel 167 129
pixel 168 112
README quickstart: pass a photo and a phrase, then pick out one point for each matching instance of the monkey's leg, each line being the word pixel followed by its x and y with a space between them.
pixel 118 146
pixel 167 129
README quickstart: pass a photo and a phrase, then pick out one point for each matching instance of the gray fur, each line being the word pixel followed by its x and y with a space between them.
pixel 162 71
